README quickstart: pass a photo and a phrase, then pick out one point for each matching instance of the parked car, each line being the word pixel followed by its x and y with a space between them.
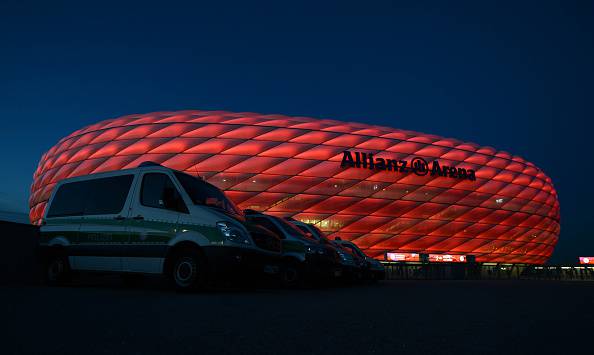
pixel 373 270
pixel 150 220
pixel 352 264
pixel 306 258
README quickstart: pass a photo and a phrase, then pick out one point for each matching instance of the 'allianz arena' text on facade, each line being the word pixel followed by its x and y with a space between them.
pixel 386 189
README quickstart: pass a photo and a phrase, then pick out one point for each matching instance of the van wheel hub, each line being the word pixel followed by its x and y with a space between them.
pixel 186 270
pixel 291 275
pixel 55 269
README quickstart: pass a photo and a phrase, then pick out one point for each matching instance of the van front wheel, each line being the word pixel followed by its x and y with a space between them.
pixel 57 270
pixel 292 274
pixel 188 271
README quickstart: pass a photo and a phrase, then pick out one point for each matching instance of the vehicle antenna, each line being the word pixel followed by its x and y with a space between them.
pixel 197 175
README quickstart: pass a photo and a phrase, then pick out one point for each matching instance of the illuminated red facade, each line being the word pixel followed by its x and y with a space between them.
pixel 291 166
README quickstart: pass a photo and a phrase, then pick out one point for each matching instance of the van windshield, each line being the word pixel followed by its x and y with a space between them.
pixel 354 249
pixel 203 193
pixel 319 233
pixel 291 229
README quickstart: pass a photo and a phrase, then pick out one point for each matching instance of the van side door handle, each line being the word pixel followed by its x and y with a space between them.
pixel 138 218
pixel 119 218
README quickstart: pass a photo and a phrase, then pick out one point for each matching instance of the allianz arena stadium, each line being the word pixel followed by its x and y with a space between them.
pixel 385 189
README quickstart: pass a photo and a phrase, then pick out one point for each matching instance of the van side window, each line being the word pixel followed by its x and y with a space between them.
pixel 107 195
pixel 68 201
pixel 264 222
pixel 91 197
pixel 158 191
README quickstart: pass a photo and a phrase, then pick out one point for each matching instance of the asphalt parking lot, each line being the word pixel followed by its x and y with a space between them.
pixel 452 317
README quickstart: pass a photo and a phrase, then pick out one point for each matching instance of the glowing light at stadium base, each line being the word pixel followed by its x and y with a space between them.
pixel 587 260
pixel 446 258
pixel 394 191
pixel 403 257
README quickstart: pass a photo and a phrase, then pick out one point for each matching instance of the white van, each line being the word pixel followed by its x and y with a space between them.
pixel 150 219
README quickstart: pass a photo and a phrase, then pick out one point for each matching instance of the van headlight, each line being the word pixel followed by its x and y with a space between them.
pixel 232 234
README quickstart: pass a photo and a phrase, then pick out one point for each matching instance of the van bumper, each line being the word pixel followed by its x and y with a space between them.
pixel 240 262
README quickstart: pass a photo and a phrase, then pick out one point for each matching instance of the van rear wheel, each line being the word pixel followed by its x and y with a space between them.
pixel 188 271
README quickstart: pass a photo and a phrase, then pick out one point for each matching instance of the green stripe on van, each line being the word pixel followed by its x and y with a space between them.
pixel 156 231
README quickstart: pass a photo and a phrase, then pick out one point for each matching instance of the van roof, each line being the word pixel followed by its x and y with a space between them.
pixel 147 165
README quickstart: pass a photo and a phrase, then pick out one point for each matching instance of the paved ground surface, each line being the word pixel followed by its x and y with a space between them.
pixel 481 317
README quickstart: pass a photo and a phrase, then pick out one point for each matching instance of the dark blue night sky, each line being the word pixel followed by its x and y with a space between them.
pixel 514 75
